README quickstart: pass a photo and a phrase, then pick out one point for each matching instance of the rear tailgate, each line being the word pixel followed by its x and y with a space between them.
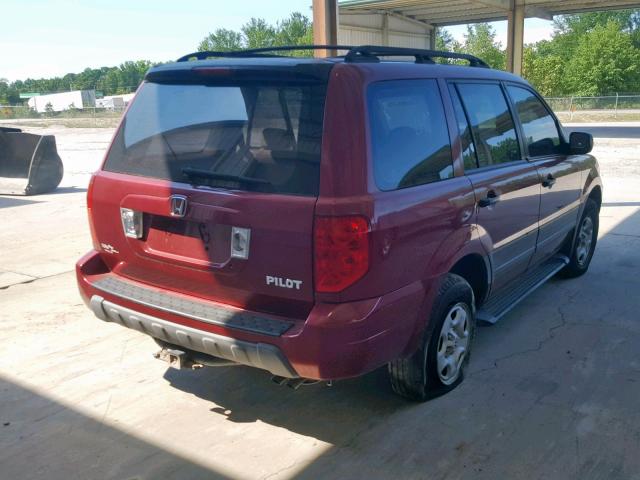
pixel 192 255
pixel 208 169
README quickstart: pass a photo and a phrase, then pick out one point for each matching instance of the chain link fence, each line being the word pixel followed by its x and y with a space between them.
pixel 609 107
pixel 573 108
pixel 73 117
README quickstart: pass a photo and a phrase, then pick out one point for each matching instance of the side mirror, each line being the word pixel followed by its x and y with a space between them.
pixel 580 143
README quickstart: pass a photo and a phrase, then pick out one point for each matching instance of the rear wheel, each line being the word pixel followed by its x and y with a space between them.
pixel 584 243
pixel 438 365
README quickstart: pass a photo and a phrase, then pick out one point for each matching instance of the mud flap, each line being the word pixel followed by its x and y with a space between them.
pixel 29 164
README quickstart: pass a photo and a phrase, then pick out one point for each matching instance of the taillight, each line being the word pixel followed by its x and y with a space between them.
pixel 341 252
pixel 92 228
pixel 90 192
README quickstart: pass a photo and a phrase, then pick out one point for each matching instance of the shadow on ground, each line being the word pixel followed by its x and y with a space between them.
pixel 62 190
pixel 77 446
pixel 7 202
pixel 312 410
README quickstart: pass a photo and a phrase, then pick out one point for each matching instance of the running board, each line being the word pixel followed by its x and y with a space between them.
pixel 503 301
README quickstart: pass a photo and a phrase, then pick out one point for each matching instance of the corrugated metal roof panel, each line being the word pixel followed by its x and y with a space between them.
pixel 440 12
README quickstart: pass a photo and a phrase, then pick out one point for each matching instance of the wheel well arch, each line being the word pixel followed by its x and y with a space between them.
pixel 596 195
pixel 474 270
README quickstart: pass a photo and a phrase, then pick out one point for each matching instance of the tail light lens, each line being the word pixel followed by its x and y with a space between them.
pixel 90 192
pixel 131 222
pixel 341 252
pixel 92 227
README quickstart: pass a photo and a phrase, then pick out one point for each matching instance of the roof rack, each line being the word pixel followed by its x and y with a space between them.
pixel 363 53
pixel 372 53
pixel 259 52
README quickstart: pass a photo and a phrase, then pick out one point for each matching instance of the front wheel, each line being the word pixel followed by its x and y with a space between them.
pixel 438 365
pixel 584 243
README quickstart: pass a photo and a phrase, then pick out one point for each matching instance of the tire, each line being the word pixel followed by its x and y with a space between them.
pixel 584 243
pixel 422 375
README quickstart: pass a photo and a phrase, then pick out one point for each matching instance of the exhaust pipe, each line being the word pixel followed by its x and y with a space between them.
pixel 29 164
pixel 295 383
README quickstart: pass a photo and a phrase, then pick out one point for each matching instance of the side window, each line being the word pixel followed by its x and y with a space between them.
pixel 409 137
pixel 540 131
pixel 493 128
pixel 468 149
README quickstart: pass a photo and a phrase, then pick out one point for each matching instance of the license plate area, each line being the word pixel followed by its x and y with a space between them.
pixel 187 238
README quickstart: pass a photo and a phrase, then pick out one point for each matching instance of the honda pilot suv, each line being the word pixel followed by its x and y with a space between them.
pixel 321 218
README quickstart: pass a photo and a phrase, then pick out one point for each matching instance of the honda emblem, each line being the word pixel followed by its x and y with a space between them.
pixel 178 205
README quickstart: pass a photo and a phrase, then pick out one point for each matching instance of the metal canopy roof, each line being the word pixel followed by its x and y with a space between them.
pixel 451 12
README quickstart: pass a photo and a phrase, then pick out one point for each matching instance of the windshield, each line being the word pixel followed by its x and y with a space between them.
pixel 263 137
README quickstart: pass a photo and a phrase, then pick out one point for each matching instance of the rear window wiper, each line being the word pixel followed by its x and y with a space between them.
pixel 192 173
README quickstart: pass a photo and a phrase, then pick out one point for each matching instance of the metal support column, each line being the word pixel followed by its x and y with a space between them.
pixel 432 38
pixel 385 29
pixel 515 38
pixel 325 25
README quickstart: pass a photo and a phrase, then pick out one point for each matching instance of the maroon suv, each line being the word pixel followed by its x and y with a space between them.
pixel 320 218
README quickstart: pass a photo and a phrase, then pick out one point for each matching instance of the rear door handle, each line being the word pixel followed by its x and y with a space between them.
pixel 491 199
pixel 549 181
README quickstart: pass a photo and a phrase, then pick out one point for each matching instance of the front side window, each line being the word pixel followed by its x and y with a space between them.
pixel 468 149
pixel 493 128
pixel 409 137
pixel 540 132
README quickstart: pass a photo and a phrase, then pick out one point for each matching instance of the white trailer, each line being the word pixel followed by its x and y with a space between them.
pixel 112 102
pixel 63 101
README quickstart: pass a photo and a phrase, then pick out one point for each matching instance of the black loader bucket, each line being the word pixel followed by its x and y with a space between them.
pixel 29 164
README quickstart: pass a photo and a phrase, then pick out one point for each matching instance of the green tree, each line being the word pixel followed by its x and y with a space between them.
pixel 590 53
pixel 569 29
pixel 295 30
pixel 545 72
pixel 480 40
pixel 222 40
pixel 605 61
pixel 4 91
pixel 579 24
pixel 446 42
pixel 257 33
pixel 124 78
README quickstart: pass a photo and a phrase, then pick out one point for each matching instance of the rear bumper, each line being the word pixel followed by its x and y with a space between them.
pixel 335 341
pixel 260 355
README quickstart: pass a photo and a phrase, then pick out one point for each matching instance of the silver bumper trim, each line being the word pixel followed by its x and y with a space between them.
pixel 259 355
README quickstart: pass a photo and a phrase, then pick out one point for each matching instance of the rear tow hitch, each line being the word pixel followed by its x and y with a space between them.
pixel 177 359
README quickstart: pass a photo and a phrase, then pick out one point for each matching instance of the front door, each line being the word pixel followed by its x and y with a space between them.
pixel 560 175
pixel 507 188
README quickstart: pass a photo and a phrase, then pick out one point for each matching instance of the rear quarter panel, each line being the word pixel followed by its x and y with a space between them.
pixel 417 233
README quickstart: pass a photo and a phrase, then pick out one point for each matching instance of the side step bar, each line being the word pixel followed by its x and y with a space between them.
pixel 500 303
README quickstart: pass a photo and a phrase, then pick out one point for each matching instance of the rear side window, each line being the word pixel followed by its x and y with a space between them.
pixel 491 123
pixel 409 137
pixel 258 136
pixel 540 131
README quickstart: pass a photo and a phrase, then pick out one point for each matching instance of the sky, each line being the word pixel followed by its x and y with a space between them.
pixel 46 38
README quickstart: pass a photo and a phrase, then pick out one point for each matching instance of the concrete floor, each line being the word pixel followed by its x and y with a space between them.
pixel 552 392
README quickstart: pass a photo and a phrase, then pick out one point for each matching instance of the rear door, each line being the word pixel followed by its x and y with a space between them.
pixel 560 176
pixel 222 171
pixel 507 187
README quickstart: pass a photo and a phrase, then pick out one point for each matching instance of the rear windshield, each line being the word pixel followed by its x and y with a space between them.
pixel 256 137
